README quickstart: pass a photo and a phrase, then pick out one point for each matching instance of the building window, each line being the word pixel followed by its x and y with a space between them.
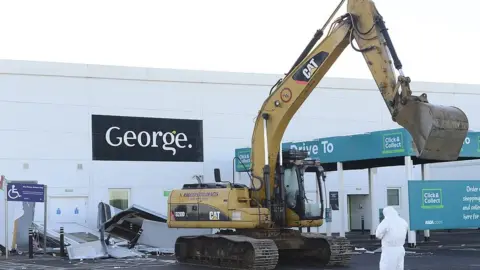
pixel 119 198
pixel 393 196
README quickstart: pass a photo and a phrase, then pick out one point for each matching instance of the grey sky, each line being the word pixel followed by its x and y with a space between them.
pixel 436 40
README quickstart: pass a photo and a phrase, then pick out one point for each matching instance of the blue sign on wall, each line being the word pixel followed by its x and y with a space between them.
pixel 373 145
pixel 19 192
pixel 452 204
pixel 328 214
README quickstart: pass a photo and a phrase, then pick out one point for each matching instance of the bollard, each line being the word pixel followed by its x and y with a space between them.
pixel 62 242
pixel 363 225
pixel 30 243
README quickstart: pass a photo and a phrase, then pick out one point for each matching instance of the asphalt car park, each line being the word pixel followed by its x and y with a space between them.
pixel 440 260
pixel 447 250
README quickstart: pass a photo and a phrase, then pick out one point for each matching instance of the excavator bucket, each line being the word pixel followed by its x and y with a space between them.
pixel 437 131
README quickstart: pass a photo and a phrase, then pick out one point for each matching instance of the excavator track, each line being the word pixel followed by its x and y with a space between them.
pixel 315 249
pixel 340 248
pixel 227 251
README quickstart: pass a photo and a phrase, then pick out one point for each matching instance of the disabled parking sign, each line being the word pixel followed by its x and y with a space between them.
pixel 20 192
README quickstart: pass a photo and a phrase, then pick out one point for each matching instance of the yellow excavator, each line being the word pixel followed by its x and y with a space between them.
pixel 256 224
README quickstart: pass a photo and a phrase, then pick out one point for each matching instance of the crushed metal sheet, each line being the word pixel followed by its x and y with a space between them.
pixel 121 252
pixel 139 225
pixel 126 224
pixel 88 250
pixel 157 234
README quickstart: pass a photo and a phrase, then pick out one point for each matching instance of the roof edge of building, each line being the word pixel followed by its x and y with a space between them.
pixel 59 69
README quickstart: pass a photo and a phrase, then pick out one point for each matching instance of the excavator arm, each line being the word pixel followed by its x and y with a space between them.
pixel 437 131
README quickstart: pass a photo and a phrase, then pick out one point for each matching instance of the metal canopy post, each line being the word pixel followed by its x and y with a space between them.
pixel 372 174
pixel 328 206
pixel 45 211
pixel 426 176
pixel 412 236
pixel 341 195
pixel 5 187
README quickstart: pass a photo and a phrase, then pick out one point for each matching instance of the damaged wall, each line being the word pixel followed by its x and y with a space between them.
pixel 20 218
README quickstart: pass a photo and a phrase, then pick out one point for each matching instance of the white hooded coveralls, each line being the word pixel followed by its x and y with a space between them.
pixel 392 231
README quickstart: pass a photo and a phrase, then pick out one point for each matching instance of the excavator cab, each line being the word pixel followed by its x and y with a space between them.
pixel 291 203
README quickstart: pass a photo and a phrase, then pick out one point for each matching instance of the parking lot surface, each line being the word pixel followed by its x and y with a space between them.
pixel 457 259
pixel 446 251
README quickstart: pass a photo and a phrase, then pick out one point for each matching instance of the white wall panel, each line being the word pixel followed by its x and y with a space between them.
pixel 40 145
pixel 145 95
pixel 41 117
pixel 232 99
pixel 228 125
pixel 43 89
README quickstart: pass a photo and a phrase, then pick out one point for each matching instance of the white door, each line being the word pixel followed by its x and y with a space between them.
pixel 67 209
pixel 357 209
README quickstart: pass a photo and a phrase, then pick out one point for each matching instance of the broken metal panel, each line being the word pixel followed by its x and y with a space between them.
pixel 105 212
pixel 158 235
pixel 127 223
pixel 99 249
pixel 20 217
pixel 87 250
pixel 125 226
pixel 74 233
pixel 143 226
pixel 118 252
pixel 53 236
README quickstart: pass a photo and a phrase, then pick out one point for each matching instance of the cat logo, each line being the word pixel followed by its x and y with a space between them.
pixel 305 72
pixel 214 215
pixel 309 68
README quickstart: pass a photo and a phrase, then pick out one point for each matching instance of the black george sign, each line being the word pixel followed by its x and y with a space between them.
pixel 126 138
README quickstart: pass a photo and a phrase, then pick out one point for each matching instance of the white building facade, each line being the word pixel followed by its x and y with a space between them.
pixel 53 125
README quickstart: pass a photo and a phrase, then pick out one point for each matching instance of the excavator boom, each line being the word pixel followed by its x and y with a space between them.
pixel 437 131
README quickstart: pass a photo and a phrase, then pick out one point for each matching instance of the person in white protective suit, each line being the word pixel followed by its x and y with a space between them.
pixel 392 231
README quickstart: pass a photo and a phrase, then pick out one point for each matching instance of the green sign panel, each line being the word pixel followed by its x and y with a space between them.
pixel 393 143
pixel 242 160
pixel 166 193
pixel 452 204
pixel 373 145
pixel 432 198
